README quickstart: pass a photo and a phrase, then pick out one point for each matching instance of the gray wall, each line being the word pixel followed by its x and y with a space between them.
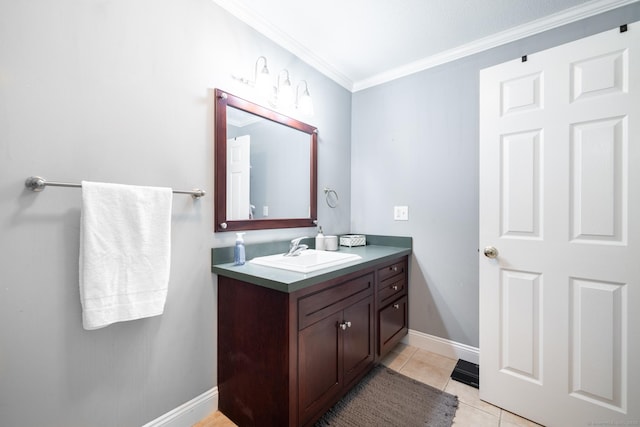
pixel 415 143
pixel 122 91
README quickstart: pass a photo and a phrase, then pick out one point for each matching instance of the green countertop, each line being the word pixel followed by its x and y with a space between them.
pixel 291 281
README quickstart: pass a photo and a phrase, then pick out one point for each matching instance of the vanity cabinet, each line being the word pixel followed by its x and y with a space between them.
pixel 284 358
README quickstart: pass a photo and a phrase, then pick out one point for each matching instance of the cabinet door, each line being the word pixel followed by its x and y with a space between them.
pixel 320 365
pixel 358 338
pixel 392 325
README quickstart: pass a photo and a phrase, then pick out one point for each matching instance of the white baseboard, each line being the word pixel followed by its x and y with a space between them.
pixel 189 413
pixel 443 347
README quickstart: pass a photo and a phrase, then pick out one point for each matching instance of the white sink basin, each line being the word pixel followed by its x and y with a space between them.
pixel 308 261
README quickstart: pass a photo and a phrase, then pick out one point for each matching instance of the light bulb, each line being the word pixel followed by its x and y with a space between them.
pixel 285 95
pixel 263 86
pixel 304 101
pixel 261 82
pixel 305 104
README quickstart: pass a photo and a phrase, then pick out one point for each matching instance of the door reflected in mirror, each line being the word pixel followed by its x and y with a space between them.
pixel 265 168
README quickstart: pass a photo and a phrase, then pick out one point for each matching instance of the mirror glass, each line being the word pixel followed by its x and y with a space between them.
pixel 265 168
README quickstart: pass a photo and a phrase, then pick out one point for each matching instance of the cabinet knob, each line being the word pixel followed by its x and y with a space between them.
pixel 344 325
pixel 394 287
pixel 396 306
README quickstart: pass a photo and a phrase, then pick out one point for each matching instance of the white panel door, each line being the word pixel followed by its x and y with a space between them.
pixel 238 177
pixel 560 203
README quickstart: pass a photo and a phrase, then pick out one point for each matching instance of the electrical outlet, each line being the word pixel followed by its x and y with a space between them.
pixel 265 211
pixel 401 213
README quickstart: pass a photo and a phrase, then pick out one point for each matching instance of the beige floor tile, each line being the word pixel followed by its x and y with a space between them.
pixel 435 360
pixel 508 419
pixel 469 416
pixel 420 371
pixel 216 419
pixel 470 396
pixel 404 349
pixel 397 358
pixel 429 368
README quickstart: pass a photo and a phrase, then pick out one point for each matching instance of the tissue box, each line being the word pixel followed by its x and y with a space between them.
pixel 353 240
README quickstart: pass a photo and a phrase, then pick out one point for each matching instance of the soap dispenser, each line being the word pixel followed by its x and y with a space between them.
pixel 320 240
pixel 238 251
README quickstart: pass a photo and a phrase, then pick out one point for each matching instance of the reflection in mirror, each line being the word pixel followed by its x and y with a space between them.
pixel 265 168
pixel 266 163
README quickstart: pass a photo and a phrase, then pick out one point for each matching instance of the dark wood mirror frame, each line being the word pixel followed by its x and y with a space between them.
pixel 224 99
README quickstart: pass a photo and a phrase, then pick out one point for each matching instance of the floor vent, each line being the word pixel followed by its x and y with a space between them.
pixel 467 373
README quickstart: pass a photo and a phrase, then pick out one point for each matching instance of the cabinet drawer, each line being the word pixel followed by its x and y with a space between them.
pixel 396 268
pixel 315 307
pixel 392 324
pixel 392 288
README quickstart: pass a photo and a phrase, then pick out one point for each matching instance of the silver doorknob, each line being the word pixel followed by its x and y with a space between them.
pixel 490 252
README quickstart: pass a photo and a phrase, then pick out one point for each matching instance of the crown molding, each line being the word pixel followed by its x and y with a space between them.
pixel 546 23
pixel 529 29
pixel 273 33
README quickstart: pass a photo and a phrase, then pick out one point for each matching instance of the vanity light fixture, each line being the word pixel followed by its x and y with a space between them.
pixel 260 78
pixel 304 103
pixel 282 94
pixel 262 84
pixel 284 91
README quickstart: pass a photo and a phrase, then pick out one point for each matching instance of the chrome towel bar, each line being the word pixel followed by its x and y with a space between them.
pixel 37 183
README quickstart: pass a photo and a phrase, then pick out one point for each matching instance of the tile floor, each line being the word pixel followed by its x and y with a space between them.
pixel 435 370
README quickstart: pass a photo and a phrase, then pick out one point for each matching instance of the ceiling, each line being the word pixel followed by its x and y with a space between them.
pixel 362 43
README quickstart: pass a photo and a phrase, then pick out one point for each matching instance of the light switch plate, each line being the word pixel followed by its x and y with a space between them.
pixel 401 213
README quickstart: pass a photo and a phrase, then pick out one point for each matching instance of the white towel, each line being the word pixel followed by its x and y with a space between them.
pixel 125 252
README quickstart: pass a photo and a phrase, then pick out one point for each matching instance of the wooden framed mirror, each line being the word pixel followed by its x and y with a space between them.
pixel 265 168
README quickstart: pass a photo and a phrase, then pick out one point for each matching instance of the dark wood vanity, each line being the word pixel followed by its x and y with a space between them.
pixel 284 358
pixel 290 345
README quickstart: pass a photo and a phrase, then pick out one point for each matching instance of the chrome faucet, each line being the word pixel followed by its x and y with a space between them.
pixel 296 248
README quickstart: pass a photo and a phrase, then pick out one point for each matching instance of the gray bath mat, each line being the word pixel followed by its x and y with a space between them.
pixel 387 398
